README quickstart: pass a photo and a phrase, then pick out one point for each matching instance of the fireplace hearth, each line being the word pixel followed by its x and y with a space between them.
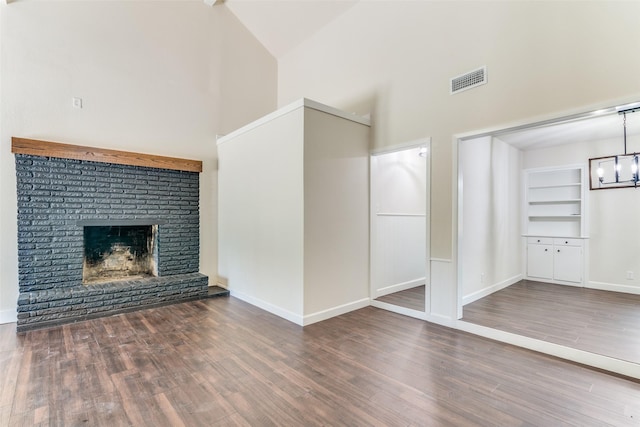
pixel 97 239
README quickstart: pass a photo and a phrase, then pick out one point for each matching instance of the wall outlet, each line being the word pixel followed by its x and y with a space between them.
pixel 77 102
pixel 629 275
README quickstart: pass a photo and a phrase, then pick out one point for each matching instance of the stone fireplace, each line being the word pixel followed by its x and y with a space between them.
pixel 97 238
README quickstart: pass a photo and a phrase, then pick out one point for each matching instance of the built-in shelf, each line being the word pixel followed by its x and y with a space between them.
pixel 554 201
pixel 538 235
pixel 544 202
pixel 576 184
pixel 554 224
pixel 542 217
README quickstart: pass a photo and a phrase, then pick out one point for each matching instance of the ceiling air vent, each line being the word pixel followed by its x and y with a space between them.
pixel 469 80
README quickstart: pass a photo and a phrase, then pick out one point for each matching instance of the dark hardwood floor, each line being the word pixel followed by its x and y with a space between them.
pixel 601 322
pixel 411 298
pixel 220 362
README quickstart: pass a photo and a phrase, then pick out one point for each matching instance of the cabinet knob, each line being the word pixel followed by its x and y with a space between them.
pixel 545 250
pixel 566 242
pixel 538 240
pixel 558 250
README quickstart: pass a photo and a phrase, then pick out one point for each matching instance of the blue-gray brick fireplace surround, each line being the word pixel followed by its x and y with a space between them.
pixel 58 198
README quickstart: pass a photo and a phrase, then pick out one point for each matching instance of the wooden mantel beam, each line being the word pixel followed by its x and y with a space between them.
pixel 67 151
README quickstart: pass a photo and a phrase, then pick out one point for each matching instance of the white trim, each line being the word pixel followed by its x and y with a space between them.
pixel 490 289
pixel 8 316
pixel 442 306
pixel 555 282
pixel 427 209
pixel 300 103
pixel 581 166
pixel 398 214
pixel 296 318
pixel 373 237
pixel 457 206
pixel 614 287
pixel 579 113
pixel 336 112
pixel 335 311
pixel 399 310
pixel 556 237
pixel 610 364
pixel 403 146
pixel 400 287
pixel 448 260
pixel 266 306
pixel 441 320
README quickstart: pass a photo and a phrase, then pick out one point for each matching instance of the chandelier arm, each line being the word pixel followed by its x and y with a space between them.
pixel 624 126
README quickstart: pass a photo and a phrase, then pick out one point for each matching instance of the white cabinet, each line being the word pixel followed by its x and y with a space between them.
pixel 555 260
pixel 540 259
pixel 555 224
pixel 567 260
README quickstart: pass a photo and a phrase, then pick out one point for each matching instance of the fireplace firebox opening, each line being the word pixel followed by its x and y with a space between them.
pixel 119 252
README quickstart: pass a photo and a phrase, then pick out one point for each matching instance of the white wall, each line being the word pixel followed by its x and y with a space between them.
pixel 261 193
pixel 395 58
pixel 399 190
pixel 294 235
pixel 336 212
pixel 150 76
pixel 248 74
pixel 8 256
pixel 491 230
pixel 613 226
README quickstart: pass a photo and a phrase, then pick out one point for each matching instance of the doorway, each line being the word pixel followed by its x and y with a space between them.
pixel 400 228
pixel 494 216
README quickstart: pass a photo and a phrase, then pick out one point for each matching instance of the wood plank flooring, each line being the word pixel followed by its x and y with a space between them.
pixel 410 298
pixel 597 321
pixel 222 362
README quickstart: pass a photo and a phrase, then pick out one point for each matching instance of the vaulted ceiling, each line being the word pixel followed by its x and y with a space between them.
pixel 281 25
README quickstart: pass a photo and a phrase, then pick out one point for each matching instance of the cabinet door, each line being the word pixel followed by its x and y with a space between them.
pixel 567 262
pixel 540 261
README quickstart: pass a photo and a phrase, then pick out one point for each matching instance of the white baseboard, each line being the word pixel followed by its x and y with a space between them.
pixel 335 311
pixel 266 306
pixel 399 287
pixel 610 364
pixel 490 289
pixel 296 318
pixel 441 320
pixel 8 316
pixel 400 310
pixel 615 287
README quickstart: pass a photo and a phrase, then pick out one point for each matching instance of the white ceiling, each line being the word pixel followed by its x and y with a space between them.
pixel 281 25
pixel 602 127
